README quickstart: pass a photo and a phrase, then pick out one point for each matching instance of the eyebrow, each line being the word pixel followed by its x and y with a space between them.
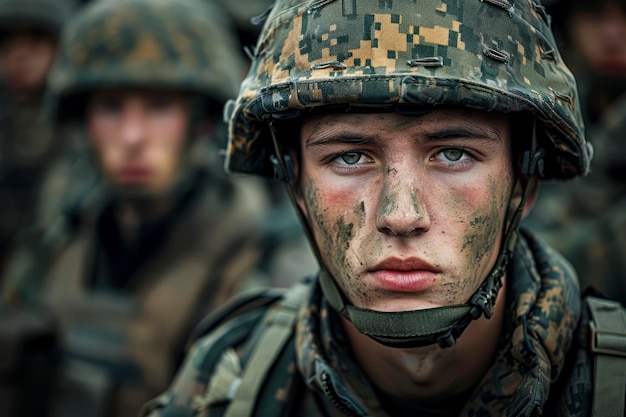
pixel 456 132
pixel 461 132
pixel 342 138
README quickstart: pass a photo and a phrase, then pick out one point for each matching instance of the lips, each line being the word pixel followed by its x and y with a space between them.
pixel 613 67
pixel 405 275
pixel 134 173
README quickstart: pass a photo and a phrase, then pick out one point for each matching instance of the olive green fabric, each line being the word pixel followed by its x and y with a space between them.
pixel 608 344
pixel 492 55
pixel 187 46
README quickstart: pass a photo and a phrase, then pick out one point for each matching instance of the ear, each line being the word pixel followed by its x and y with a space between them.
pixel 520 184
pixel 532 195
pixel 296 185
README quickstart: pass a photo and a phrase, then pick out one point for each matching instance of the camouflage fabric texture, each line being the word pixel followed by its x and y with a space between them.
pixel 45 14
pixel 187 46
pixel 584 219
pixel 532 372
pixel 493 55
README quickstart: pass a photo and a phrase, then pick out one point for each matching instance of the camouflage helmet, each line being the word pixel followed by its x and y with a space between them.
pixel 167 44
pixel 493 55
pixel 50 15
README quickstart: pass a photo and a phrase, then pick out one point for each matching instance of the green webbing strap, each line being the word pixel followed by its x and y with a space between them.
pixel 608 345
pixel 395 328
pixel 279 326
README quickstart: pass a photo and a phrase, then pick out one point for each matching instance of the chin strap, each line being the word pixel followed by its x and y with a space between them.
pixel 440 325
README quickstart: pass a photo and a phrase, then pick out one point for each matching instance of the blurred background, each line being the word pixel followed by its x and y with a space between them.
pixel 120 230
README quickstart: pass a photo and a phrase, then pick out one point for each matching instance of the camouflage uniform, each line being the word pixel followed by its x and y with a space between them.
pixel 374 56
pixel 124 310
pixel 28 143
pixel 316 374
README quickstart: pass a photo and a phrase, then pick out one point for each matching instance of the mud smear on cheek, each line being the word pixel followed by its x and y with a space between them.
pixel 481 236
pixel 333 238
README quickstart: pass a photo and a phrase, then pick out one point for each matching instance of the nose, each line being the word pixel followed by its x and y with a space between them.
pixel 402 212
pixel 132 126
pixel 613 22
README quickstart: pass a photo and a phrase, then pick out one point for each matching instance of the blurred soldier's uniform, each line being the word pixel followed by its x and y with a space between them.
pixel 592 231
pixel 29 31
pixel 125 305
pixel 583 219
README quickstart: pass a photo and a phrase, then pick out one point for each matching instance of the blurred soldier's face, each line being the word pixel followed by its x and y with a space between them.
pixel 600 37
pixel 407 211
pixel 25 59
pixel 139 138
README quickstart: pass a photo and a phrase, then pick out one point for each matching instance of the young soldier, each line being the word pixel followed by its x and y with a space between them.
pixel 29 33
pixel 165 236
pixel 412 136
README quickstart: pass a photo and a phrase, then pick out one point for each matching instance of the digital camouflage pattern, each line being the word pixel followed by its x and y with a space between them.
pixel 321 53
pixel 537 369
pixel 51 15
pixel 183 45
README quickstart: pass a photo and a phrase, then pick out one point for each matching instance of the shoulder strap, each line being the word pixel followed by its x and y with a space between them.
pixel 278 327
pixel 608 346
pixel 233 308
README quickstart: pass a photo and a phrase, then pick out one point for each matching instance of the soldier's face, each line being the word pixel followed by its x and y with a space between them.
pixel 139 138
pixel 408 212
pixel 599 36
pixel 25 59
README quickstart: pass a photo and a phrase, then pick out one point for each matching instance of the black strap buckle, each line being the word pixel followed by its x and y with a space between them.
pixel 282 172
pixel 532 165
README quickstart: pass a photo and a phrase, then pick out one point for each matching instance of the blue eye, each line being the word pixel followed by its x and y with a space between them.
pixel 453 154
pixel 351 158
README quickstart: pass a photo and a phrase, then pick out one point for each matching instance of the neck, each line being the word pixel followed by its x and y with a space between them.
pixel 27 98
pixel 415 374
pixel 132 213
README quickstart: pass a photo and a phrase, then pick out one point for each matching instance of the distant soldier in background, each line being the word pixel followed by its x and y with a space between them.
pixel 29 32
pixel 165 236
pixel 585 219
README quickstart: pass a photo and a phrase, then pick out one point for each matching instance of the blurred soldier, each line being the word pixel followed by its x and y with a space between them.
pixel 581 219
pixel 412 136
pixel 29 32
pixel 129 269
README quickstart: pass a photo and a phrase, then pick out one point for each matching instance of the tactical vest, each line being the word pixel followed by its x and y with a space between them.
pixel 270 318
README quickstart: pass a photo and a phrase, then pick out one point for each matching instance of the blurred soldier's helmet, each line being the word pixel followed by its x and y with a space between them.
pixel 47 15
pixel 184 46
pixel 493 55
